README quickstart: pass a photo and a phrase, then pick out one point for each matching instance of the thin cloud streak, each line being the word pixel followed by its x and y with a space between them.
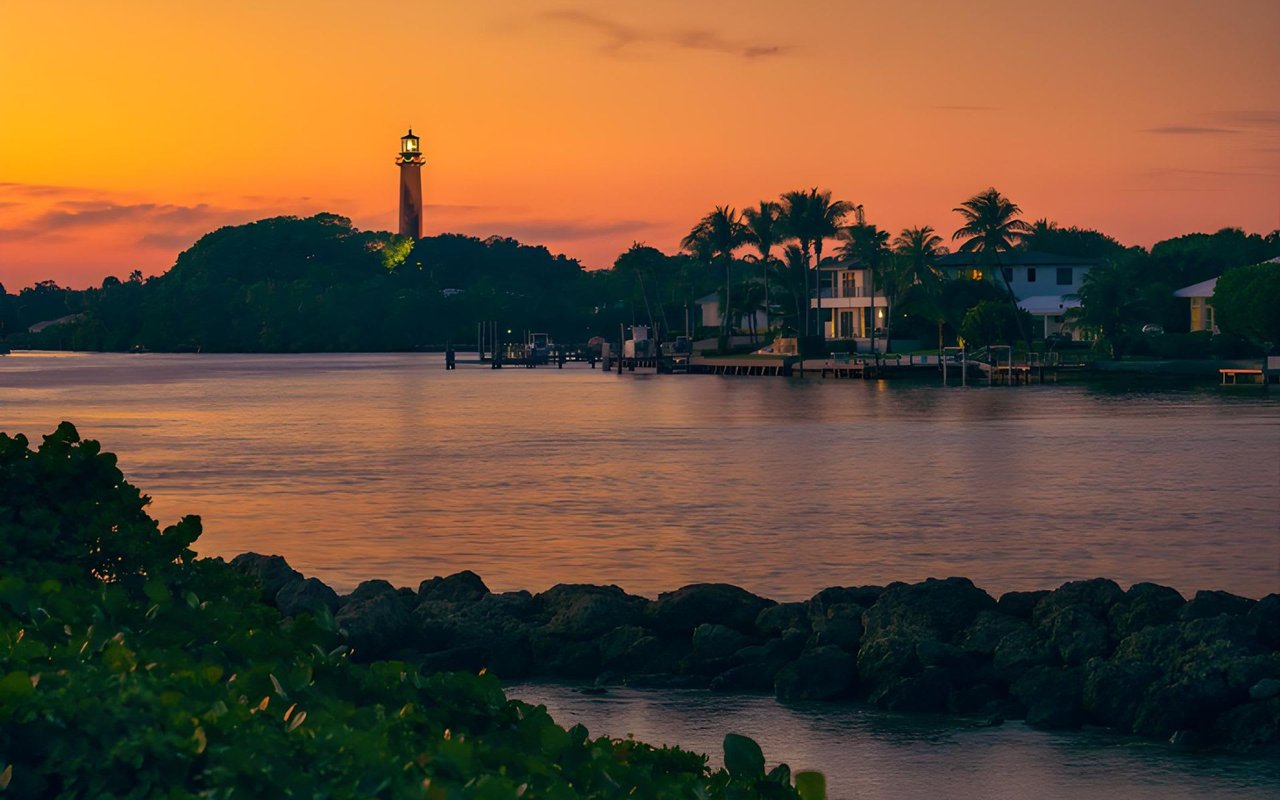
pixel 1190 130
pixel 621 37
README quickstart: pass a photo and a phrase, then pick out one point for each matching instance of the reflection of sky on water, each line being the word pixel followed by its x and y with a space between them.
pixel 868 754
pixel 360 466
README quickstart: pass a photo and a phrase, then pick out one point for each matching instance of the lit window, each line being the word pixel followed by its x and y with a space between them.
pixel 975 274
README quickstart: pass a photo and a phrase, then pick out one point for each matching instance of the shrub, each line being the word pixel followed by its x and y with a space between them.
pixel 130 668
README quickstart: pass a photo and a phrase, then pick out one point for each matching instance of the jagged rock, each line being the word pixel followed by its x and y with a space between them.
pixel 1020 604
pixel 1211 604
pixel 273 572
pixel 839 624
pixel 926 691
pixel 773 621
pixel 1113 692
pixel 456 588
pixel 1053 697
pixel 713 644
pixel 582 611
pixel 864 596
pixel 1264 618
pixel 564 658
pixel 681 611
pixel 1249 725
pixel 989 628
pixel 368 590
pixel 756 667
pixel 1077 635
pixel 906 616
pixel 822 673
pixel 506 605
pixel 308 595
pixel 1020 651
pixel 962 669
pixel 974 699
pixel 1144 605
pixel 1096 596
pixel 1265 689
pixel 377 627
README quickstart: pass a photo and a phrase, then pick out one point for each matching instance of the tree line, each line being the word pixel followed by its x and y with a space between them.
pixel 289 284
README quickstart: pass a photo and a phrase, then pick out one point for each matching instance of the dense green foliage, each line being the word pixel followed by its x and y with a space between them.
pixel 130 668
pixel 993 322
pixel 1247 303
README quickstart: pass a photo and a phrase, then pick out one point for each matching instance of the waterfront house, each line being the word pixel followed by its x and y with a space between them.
pixel 708 316
pixel 1044 284
pixel 1200 294
pixel 849 310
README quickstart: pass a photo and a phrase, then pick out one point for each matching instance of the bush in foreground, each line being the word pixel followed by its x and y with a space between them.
pixel 130 668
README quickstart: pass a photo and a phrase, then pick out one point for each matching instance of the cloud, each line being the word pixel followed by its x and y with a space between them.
pixel 41 190
pixel 534 231
pixel 1255 118
pixel 621 37
pixel 1190 130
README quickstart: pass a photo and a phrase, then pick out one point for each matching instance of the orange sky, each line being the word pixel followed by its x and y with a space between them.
pixel 129 128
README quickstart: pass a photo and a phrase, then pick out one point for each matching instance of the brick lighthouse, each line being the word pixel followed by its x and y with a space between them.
pixel 410 161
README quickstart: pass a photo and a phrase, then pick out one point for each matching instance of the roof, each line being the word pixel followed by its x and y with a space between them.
pixel 1201 289
pixel 1014 258
pixel 1047 304
pixel 834 263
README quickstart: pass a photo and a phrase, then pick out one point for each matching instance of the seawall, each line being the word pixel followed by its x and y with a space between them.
pixel 1146 660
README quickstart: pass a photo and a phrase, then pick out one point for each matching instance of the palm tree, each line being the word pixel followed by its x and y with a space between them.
pixel 812 217
pixel 795 269
pixel 919 248
pixel 869 245
pixel 764 230
pixel 715 237
pixel 991 227
pixel 794 222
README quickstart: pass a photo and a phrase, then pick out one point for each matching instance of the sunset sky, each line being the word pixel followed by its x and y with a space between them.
pixel 130 128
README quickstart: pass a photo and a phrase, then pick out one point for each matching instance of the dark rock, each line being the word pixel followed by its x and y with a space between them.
pixel 756 667
pixel 1077 634
pixel 906 616
pixel 865 596
pixel 377 627
pixel 1113 692
pixel 583 611
pixel 1264 618
pixel 681 611
pixel 1211 604
pixel 273 572
pixel 1020 651
pixel 507 605
pixel 1265 689
pixel 989 628
pixel 368 590
pixel 1053 697
pixel 773 621
pixel 713 644
pixel 457 588
pixel 564 658
pixel 1249 726
pixel 1020 604
pixel 1096 596
pixel 962 669
pixel 839 624
pixel 308 595
pixel 972 699
pixel 823 673
pixel 1144 605
pixel 1187 701
pixel 927 691
pixel 616 646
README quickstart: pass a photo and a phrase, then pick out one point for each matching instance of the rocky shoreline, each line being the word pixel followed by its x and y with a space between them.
pixel 1198 672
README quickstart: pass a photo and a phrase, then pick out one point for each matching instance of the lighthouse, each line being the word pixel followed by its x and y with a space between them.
pixel 410 162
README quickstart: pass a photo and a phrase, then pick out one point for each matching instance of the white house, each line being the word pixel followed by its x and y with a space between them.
pixel 1042 283
pixel 849 309
pixel 709 315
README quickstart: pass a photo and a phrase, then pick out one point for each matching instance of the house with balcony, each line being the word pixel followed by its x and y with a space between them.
pixel 851 307
pixel 1044 284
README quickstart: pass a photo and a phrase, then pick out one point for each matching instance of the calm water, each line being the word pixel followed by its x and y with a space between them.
pixel 361 466
pixel 869 755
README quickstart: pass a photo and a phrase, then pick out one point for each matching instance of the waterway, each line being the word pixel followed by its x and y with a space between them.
pixel 389 466
pixel 363 466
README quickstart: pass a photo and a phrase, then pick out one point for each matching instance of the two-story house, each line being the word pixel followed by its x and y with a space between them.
pixel 851 304
pixel 1044 284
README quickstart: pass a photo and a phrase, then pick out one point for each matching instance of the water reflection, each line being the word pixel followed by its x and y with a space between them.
pixel 356 466
pixel 868 754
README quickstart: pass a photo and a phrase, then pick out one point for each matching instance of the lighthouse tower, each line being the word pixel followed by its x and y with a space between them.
pixel 410 161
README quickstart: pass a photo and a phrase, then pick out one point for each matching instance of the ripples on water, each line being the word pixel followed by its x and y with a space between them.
pixel 361 466
pixel 868 754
